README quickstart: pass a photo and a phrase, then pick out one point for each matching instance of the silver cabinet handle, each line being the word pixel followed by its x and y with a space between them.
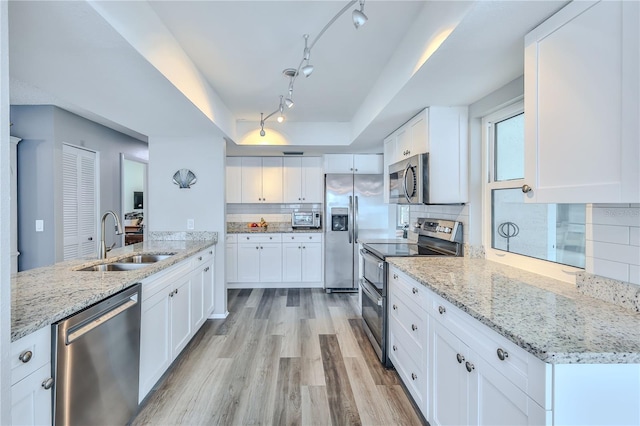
pixel 271 238
pixel 441 309
pixel 176 291
pixel 206 269
pixel 526 189
pixel 460 358
pixel 199 257
pixel 48 383
pixel 172 293
pixel 470 367
pixel 395 307
pixel 380 265
pixel 247 238
pixel 413 376
pixel 502 354
pixel 90 238
pixel 261 247
pixel 395 348
pixel 414 290
pixel 210 251
pixel 395 276
pixel 25 356
pixel 414 327
pixel 304 247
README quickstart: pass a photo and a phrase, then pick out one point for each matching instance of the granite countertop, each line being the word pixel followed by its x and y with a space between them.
pixel 43 296
pixel 548 318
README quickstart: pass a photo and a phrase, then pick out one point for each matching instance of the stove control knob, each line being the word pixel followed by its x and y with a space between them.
pixel 438 228
pixel 447 230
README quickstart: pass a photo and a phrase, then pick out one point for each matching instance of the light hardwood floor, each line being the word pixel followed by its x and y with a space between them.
pixel 282 356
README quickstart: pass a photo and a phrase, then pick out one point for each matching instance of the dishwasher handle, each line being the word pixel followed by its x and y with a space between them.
pixel 91 323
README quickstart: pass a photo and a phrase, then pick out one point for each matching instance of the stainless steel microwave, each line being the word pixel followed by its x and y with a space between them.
pixel 308 219
pixel 409 180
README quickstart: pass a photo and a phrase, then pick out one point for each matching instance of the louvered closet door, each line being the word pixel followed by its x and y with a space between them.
pixel 79 202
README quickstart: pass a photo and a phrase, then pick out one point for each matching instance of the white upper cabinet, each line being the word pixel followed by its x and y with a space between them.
pixel 261 179
pixel 234 180
pixel 582 85
pixel 442 133
pixel 368 164
pixel 302 179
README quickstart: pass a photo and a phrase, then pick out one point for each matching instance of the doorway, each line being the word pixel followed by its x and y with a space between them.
pixel 133 178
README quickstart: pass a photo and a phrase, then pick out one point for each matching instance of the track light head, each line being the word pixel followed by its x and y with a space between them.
pixel 358 16
pixel 307 70
pixel 262 133
pixel 289 102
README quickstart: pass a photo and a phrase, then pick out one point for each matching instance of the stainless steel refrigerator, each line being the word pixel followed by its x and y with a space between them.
pixel 354 209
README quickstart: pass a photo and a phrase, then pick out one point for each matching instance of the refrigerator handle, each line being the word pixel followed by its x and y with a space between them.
pixel 355 220
pixel 349 218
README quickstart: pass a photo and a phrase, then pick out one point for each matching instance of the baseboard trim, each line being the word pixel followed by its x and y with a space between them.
pixel 275 285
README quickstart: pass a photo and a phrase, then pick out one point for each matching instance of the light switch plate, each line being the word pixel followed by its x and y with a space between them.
pixel 39 225
pixel 190 224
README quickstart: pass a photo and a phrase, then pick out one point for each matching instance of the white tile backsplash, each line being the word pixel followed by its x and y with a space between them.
pixel 611 269
pixel 458 213
pixel 610 234
pixel 634 236
pixel 634 274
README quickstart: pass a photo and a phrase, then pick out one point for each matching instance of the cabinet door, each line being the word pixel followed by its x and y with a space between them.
pixel 231 262
pixel 312 180
pixel 271 262
pixel 389 158
pixel 449 378
pixel 338 163
pixel 292 262
pixel 180 317
pixel 155 340
pixel 311 262
pixel 249 262
pixel 367 164
pixel 581 121
pixel 494 400
pixel 251 179
pixel 30 401
pixel 272 180
pixel 208 281
pixel 234 180
pixel 403 142
pixel 419 141
pixel 292 180
pixel 196 292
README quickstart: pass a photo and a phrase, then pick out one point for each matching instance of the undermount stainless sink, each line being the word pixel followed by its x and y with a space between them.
pixel 115 266
pixel 145 258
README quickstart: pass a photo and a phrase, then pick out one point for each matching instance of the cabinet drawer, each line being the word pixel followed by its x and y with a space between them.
pixel 231 238
pixel 412 373
pixel 412 320
pixel 259 238
pixel 35 351
pixel 157 282
pixel 413 291
pixel 302 238
pixel 201 258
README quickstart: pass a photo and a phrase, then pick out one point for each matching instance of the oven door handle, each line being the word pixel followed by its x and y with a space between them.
pixel 373 296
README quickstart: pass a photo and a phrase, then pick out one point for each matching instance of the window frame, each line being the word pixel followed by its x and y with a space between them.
pixel 548 268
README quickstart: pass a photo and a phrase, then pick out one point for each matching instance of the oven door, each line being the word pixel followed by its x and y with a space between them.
pixel 374 271
pixel 374 311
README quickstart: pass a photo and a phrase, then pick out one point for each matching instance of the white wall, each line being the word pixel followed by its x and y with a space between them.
pixel 204 202
pixel 613 241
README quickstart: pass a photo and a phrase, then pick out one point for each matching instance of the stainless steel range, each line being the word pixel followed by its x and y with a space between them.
pixel 429 237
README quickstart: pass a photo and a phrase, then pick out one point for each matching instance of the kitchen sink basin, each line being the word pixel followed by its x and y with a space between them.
pixel 145 258
pixel 116 266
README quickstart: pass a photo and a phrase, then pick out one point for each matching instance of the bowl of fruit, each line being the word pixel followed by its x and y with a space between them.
pixel 258 226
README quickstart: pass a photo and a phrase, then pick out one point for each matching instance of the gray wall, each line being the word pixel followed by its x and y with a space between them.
pixel 43 130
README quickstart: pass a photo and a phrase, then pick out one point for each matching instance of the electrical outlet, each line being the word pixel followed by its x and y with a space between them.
pixel 190 224
pixel 39 225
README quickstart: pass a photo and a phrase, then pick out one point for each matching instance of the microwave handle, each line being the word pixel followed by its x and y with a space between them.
pixel 349 218
pixel 404 182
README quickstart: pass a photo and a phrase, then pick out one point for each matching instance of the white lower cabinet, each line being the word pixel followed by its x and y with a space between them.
pixel 31 379
pixel 175 304
pixel 474 376
pixel 275 259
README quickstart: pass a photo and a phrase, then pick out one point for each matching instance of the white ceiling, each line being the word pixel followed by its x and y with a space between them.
pixel 241 48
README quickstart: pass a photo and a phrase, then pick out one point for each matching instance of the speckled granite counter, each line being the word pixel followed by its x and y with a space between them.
pixel 548 318
pixel 276 227
pixel 42 296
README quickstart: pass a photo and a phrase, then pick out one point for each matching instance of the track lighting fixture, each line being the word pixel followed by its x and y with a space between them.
pixel 358 16
pixel 359 19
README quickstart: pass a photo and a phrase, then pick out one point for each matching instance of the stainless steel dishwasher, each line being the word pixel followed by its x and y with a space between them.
pixel 96 359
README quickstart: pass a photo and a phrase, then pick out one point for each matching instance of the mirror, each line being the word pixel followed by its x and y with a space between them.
pixel 133 178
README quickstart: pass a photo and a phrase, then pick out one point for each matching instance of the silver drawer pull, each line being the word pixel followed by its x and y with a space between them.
pixel 200 258
pixel 48 383
pixel 502 354
pixel 413 376
pixel 414 327
pixel 25 356
pixel 206 269
pixel 210 251
pixel 414 290
pixel 395 276
pixel 395 307
pixel 441 309
pixel 395 348
pixel 470 367
pixel 460 358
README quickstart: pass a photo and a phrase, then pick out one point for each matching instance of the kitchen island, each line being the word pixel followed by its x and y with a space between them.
pixel 477 342
pixel 43 296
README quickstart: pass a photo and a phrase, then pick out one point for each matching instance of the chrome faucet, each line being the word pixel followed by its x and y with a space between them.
pixel 103 247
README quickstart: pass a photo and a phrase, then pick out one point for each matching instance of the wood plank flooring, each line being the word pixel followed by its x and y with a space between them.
pixel 281 357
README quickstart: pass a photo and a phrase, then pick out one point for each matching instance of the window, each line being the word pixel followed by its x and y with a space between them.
pixel 532 236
